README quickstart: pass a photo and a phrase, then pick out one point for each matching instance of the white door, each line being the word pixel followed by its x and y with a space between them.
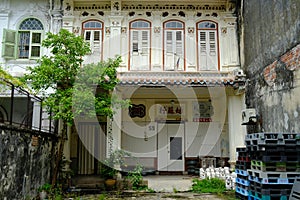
pixel 208 50
pixel 170 147
pixel 140 52
pixel 174 59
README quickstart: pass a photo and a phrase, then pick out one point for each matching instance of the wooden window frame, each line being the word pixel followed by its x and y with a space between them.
pixel 129 39
pixel 217 41
pixel 94 29
pixel 183 41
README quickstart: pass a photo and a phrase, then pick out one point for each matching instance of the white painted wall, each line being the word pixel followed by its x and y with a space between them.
pixel 116 42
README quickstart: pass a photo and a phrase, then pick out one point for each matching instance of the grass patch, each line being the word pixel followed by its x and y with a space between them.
pixel 213 185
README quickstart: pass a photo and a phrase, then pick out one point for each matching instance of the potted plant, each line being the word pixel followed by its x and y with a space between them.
pixel 44 190
pixel 109 167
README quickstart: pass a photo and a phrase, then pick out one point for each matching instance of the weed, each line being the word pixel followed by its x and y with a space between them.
pixel 175 190
pixel 102 197
pixel 135 177
pixel 150 190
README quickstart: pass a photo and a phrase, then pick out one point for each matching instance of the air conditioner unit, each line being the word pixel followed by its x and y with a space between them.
pixel 249 116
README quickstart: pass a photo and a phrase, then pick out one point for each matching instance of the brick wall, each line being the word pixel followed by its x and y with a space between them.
pixel 290 60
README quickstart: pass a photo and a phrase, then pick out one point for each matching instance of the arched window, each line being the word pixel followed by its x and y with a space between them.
pixel 139 45
pixel 30 38
pixel 207 45
pixel 174 45
pixel 93 32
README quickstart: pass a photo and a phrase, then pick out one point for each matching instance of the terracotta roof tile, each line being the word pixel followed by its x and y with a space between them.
pixel 177 78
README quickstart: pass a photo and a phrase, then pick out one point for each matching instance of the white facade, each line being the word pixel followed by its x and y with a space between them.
pixel 179 69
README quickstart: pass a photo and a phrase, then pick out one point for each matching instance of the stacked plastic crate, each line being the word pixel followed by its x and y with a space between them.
pixel 274 164
pixel 242 165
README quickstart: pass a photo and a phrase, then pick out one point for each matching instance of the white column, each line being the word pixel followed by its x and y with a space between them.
pixel 237 132
pixel 116 129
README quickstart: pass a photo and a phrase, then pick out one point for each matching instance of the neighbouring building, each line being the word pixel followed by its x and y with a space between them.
pixel 271 51
pixel 181 70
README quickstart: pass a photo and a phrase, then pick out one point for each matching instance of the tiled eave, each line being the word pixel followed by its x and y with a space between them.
pixel 179 78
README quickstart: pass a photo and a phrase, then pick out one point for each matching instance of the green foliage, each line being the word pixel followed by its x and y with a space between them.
pixel 102 197
pixel 150 190
pixel 213 185
pixel 94 83
pixel 5 76
pixel 58 72
pixel 54 193
pixel 135 177
pixel 74 86
pixel 116 158
pixel 45 187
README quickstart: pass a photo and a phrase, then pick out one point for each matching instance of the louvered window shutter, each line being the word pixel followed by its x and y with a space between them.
pixel 169 51
pixel 212 54
pixel 9 47
pixel 145 42
pixel 135 41
pixel 179 51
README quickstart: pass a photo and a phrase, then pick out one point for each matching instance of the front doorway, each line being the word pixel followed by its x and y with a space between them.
pixel 91 147
pixel 170 142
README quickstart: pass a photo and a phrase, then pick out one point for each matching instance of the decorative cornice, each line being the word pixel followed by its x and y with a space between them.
pixel 151 7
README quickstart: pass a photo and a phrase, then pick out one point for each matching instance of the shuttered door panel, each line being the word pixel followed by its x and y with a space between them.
pixel 144 53
pixel 208 56
pixel 169 50
pixel 134 50
pixel 202 50
pixel 179 58
pixel 97 41
pixel 212 60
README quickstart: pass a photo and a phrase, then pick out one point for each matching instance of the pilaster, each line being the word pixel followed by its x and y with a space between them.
pixel 236 131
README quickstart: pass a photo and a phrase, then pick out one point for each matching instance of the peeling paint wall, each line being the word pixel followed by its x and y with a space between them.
pixel 24 164
pixel 271 59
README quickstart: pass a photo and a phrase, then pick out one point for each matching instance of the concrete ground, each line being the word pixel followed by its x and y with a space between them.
pixel 168 183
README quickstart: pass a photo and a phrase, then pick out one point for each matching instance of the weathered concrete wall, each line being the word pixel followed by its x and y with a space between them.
pixel 23 166
pixel 271 37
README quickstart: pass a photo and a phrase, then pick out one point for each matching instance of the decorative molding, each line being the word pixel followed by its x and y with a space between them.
pixel 115 6
pixel 123 30
pixel 191 30
pixel 107 30
pixel 156 29
pixel 115 23
pixel 224 30
pixel 76 30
